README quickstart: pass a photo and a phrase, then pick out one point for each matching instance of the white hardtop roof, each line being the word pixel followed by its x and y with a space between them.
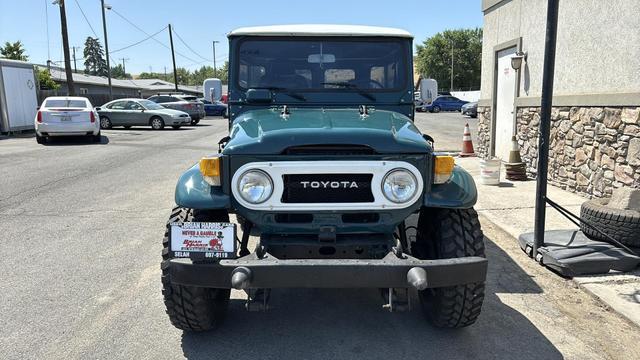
pixel 320 30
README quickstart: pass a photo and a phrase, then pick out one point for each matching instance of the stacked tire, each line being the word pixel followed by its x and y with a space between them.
pixel 621 225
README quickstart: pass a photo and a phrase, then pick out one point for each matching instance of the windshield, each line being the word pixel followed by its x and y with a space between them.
pixel 322 64
pixel 150 105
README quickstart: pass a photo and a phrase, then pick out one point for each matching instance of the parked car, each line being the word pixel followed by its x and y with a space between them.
pixel 140 112
pixel 64 116
pixel 214 109
pixel 182 102
pixel 445 103
pixel 470 109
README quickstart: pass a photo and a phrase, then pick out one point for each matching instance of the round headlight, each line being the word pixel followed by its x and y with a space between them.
pixel 399 185
pixel 255 186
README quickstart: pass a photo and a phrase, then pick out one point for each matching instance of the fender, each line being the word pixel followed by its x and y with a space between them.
pixel 458 193
pixel 194 193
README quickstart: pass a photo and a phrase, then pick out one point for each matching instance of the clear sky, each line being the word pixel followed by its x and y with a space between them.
pixel 198 22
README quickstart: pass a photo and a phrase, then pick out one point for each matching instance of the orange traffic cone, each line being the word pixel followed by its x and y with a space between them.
pixel 467 144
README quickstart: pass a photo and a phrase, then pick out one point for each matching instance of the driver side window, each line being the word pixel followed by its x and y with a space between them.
pixel 118 105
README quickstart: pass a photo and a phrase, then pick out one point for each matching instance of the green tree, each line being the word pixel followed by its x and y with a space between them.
pixel 13 51
pixel 94 62
pixel 198 76
pixel 223 73
pixel 184 76
pixel 117 72
pixel 433 58
pixel 45 80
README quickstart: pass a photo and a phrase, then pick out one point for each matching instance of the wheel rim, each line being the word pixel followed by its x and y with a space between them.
pixel 104 122
pixel 156 123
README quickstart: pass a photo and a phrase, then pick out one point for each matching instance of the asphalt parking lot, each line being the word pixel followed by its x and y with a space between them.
pixel 82 226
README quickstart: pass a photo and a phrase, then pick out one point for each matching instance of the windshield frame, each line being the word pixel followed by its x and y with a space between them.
pixel 405 45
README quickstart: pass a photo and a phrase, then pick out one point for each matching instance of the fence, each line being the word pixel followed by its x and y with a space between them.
pixel 96 99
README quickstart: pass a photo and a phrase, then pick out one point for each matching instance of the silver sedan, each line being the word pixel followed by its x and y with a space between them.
pixel 140 112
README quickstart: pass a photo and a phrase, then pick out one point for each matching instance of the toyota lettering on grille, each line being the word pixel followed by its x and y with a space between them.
pixel 329 184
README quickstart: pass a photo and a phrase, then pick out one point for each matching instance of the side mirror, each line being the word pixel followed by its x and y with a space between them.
pixel 259 96
pixel 96 108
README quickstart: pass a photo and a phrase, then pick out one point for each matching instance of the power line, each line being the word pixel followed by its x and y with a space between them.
pixel 189 47
pixel 85 19
pixel 146 33
pixel 141 41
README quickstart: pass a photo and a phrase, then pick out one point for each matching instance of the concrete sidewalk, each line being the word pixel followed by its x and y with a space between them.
pixel 510 206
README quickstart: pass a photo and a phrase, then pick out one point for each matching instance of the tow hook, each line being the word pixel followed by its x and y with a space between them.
pixel 241 278
pixel 417 277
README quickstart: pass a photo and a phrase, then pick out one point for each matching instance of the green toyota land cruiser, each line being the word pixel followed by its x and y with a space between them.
pixel 324 164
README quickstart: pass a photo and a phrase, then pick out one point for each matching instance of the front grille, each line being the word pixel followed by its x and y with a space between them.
pixel 329 150
pixel 327 188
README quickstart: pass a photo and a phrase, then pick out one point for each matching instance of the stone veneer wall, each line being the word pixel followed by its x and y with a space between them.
pixel 593 150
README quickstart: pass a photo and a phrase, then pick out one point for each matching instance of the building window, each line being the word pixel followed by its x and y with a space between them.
pixel 84 91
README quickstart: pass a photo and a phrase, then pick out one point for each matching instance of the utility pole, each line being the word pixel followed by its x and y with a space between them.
pixel 65 47
pixel 173 57
pixel 451 86
pixel 75 66
pixel 106 46
pixel 215 70
pixel 165 73
pixel 124 69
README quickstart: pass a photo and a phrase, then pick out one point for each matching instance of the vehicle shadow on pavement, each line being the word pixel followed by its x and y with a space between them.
pixel 350 323
pixel 75 140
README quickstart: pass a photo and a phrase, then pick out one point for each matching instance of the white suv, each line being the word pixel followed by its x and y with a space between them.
pixel 66 115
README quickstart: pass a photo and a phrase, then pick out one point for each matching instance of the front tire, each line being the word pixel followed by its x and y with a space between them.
pixel 192 308
pixel 194 122
pixel 41 139
pixel 436 109
pixel 176 127
pixel 156 123
pixel 446 234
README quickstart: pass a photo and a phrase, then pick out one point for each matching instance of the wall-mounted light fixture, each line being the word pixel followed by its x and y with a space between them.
pixel 516 60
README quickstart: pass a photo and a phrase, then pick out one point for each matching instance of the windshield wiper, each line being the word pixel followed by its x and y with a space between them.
pixel 285 91
pixel 347 85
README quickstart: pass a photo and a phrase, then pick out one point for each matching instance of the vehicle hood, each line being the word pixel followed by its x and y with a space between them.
pixel 267 131
pixel 170 112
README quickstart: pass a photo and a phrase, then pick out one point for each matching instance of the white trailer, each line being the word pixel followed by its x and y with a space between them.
pixel 428 90
pixel 212 89
pixel 18 96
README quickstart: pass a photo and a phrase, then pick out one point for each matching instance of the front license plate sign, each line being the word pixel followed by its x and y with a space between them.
pixel 215 240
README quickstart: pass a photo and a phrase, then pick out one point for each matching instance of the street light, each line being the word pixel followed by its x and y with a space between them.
pixel 516 60
pixel 106 45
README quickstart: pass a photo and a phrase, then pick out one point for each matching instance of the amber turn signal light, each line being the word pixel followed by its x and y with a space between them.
pixel 442 169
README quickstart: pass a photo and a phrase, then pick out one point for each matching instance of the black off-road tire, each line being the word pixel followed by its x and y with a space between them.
pixel 192 308
pixel 445 234
pixel 622 225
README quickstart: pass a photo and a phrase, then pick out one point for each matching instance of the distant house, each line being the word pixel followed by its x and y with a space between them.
pixel 154 86
pixel 95 85
pixel 595 131
pixel 96 88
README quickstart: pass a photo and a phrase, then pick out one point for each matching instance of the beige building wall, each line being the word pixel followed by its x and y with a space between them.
pixel 597 53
